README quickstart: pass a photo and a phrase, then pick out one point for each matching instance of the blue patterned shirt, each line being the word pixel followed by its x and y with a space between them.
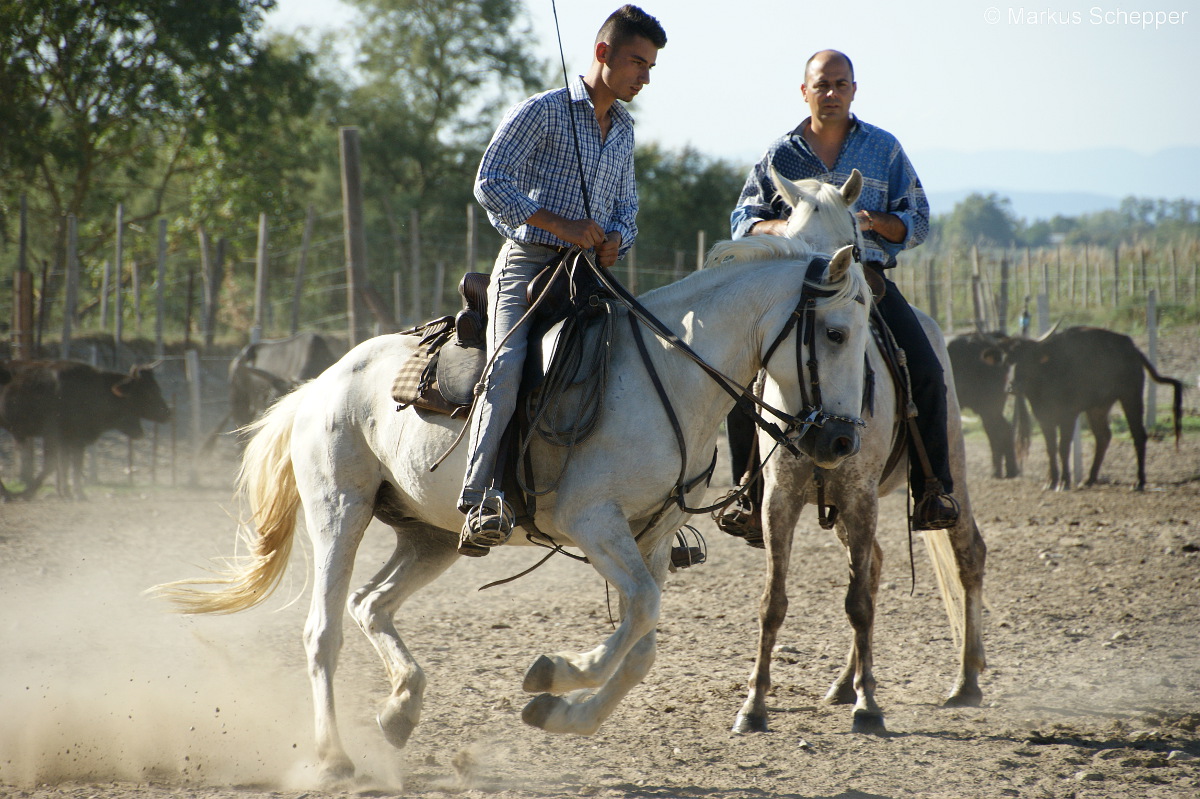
pixel 889 184
pixel 530 164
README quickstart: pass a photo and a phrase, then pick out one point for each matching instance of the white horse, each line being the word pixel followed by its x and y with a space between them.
pixel 853 487
pixel 338 448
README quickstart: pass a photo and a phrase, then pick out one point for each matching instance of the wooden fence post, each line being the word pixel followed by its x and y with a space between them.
pixel 931 288
pixel 700 250
pixel 414 286
pixel 1116 295
pixel 208 294
pixel 1085 295
pixel 354 231
pixel 439 288
pixel 310 218
pixel 261 311
pixel 1152 356
pixel 71 300
pixel 160 302
pixel 118 280
pixel 949 292
pixel 194 377
pixel 471 239
pixel 1002 310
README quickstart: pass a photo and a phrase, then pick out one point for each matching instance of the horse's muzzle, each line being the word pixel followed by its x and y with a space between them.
pixel 831 443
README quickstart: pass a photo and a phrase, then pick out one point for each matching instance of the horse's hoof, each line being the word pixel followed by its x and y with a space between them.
pixel 747 722
pixel 336 774
pixel 396 726
pixel 867 723
pixel 841 693
pixel 964 697
pixel 539 710
pixel 539 677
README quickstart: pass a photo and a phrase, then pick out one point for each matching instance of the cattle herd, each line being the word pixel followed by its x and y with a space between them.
pixel 1080 370
pixel 68 405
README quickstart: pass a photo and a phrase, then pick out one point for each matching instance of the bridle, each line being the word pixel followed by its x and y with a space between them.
pixel 812 409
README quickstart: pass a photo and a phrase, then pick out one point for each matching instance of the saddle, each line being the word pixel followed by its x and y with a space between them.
pixel 441 375
pixel 442 379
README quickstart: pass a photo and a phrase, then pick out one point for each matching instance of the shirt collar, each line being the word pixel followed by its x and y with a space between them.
pixel 579 94
pixel 799 131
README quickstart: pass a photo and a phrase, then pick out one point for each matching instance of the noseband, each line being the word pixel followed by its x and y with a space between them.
pixel 812 413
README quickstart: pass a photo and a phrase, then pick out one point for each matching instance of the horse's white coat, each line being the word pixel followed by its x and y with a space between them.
pixel 853 487
pixel 333 443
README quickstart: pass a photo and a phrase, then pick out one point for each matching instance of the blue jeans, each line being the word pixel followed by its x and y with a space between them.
pixel 516 265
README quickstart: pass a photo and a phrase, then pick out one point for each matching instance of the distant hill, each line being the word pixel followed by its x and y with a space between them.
pixel 1029 205
pixel 1041 185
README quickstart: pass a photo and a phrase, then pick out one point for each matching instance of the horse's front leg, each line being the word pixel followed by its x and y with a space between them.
pixel 856 527
pixel 605 537
pixel 783 494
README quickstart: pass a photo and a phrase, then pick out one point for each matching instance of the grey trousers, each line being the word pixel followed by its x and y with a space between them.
pixel 516 265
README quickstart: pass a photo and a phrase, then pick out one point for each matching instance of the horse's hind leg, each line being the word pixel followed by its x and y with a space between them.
pixel 969 556
pixel 338 498
pixel 422 554
pixel 781 506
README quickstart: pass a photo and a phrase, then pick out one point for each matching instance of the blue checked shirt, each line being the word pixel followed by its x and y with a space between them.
pixel 531 164
pixel 889 184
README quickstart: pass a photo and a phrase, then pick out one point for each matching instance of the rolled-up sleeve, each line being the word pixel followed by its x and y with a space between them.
pixel 755 203
pixel 907 201
pixel 625 207
pixel 496 186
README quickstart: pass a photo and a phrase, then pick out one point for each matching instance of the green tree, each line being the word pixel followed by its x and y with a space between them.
pixel 435 77
pixel 112 99
pixel 981 219
pixel 680 193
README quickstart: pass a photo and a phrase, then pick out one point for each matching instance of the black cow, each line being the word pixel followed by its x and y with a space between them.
pixel 262 373
pixel 981 383
pixel 69 405
pixel 1085 370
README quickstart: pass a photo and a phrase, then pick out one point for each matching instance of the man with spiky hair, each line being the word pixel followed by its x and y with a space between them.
pixel 893 214
pixel 528 183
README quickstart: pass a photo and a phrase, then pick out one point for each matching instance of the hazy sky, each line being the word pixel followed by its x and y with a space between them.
pixel 963 76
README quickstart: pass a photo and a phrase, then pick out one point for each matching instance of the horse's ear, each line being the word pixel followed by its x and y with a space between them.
pixel 840 263
pixel 788 190
pixel 852 187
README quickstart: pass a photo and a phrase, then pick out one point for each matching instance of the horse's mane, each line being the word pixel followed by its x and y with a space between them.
pixel 756 248
pixel 777 248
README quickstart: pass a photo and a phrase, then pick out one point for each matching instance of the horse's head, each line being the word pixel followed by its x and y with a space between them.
pixel 818 370
pixel 821 213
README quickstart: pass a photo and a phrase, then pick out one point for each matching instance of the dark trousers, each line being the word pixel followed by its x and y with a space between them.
pixel 929 395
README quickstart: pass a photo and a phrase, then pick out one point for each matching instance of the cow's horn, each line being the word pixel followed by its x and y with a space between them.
pixel 1049 332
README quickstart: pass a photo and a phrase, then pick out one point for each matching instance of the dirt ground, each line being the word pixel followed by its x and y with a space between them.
pixel 1092 635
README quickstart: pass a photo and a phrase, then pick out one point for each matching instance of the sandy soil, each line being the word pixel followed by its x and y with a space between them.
pixel 1092 634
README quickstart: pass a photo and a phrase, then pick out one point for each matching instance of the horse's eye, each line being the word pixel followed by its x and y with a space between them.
pixel 836 336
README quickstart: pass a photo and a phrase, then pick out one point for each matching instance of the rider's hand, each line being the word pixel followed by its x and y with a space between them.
pixel 607 251
pixel 582 232
pixel 769 227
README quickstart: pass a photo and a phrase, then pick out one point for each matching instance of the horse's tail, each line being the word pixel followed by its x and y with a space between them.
pixel 945 568
pixel 268 484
